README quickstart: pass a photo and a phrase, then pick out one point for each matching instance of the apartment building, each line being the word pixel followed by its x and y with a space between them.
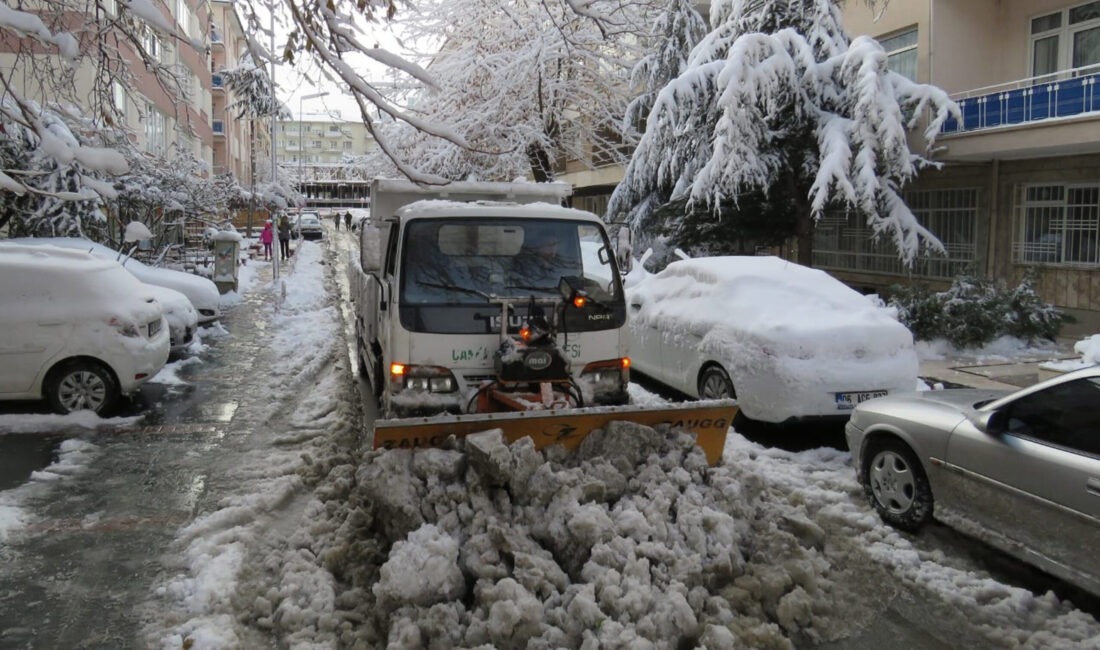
pixel 195 123
pixel 239 141
pixel 1019 189
pixel 317 154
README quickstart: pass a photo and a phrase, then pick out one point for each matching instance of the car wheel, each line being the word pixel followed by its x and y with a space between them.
pixel 714 383
pixel 896 485
pixel 79 385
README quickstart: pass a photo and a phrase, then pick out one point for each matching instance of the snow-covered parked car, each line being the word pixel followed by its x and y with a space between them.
pixel 180 314
pixel 202 292
pixel 79 331
pixel 785 340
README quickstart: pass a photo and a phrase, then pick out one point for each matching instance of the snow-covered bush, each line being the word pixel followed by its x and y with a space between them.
pixel 975 311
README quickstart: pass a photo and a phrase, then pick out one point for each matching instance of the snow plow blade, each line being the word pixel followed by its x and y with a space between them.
pixel 709 421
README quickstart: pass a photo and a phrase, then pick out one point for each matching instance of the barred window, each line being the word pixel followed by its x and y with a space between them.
pixel 1058 224
pixel 844 241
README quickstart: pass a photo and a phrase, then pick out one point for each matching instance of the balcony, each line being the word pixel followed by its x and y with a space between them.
pixel 218 126
pixel 1033 117
pixel 217 81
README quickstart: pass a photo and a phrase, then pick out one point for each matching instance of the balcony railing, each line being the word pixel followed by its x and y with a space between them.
pixel 217 81
pixel 1063 94
pixel 218 126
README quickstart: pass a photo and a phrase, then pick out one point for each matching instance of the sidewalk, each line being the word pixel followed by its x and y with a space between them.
pixel 995 371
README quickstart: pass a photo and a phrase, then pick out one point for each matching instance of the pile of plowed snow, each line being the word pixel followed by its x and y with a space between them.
pixel 632 541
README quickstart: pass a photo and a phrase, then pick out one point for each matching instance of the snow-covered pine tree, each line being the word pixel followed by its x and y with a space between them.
pixel 777 102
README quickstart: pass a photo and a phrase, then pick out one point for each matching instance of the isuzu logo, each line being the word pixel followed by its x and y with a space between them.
pixel 538 360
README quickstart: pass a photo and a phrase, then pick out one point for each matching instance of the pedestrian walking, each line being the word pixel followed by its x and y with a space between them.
pixel 347 220
pixel 336 220
pixel 284 237
pixel 266 237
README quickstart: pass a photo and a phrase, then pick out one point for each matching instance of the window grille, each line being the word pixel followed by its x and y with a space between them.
pixel 844 241
pixel 1058 224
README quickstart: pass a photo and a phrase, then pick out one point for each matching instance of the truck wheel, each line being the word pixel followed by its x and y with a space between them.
pixel 78 385
pixel 714 383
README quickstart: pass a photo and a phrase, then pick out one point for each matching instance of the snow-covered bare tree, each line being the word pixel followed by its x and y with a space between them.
pixel 525 83
pixel 777 104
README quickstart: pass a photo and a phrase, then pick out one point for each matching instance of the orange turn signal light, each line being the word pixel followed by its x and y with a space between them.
pixel 625 361
pixel 397 369
pixel 579 301
pixel 525 334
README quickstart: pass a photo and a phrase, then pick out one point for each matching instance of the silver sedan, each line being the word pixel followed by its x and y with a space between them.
pixel 1019 470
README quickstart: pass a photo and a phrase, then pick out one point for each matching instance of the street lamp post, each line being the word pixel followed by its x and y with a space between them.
pixel 302 139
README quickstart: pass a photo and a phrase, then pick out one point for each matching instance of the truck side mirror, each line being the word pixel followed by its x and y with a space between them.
pixel 370 248
pixel 624 249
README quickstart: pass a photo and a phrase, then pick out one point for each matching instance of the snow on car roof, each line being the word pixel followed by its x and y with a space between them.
pixel 769 296
pixel 43 258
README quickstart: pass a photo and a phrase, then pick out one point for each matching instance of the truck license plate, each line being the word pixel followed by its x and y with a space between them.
pixel 848 401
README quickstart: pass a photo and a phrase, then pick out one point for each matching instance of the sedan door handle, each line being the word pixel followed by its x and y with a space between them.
pixel 636 305
pixel 1092 486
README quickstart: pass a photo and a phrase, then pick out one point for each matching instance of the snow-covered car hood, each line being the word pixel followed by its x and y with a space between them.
pixel 202 292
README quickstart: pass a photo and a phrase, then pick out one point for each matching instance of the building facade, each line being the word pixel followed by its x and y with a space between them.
pixel 1019 189
pixel 239 141
pixel 319 154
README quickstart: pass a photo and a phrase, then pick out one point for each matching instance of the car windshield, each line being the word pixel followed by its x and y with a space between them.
pixel 476 260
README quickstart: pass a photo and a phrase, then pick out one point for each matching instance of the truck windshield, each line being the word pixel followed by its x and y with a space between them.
pixel 474 261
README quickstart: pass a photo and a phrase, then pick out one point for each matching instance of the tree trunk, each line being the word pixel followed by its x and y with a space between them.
pixel 540 164
pixel 803 221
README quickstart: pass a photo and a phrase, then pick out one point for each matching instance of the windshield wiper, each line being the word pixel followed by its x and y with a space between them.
pixel 528 287
pixel 448 287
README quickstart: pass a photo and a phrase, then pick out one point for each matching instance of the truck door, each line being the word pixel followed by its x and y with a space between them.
pixel 387 301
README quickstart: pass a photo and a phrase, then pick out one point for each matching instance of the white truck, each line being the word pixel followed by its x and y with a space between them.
pixel 447 274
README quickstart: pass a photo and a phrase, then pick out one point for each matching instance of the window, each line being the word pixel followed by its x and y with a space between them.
pixel 118 94
pixel 1064 416
pixel 901 53
pixel 316 144
pixel 1058 224
pixel 1066 39
pixel 155 130
pixel 844 241
pixel 347 145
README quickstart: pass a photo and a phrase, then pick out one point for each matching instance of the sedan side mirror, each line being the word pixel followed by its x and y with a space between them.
pixel 991 422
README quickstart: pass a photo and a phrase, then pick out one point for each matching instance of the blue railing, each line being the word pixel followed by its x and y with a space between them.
pixel 217 81
pixel 218 127
pixel 1028 102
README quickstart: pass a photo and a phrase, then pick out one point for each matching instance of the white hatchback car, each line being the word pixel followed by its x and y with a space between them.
pixel 202 292
pixel 785 340
pixel 79 331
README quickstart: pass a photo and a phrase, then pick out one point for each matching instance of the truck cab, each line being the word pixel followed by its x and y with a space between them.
pixel 445 273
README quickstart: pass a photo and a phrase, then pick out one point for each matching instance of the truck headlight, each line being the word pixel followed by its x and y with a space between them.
pixel 426 379
pixel 611 375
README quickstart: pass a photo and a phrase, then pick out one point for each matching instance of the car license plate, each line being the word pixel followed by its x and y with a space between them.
pixel 848 401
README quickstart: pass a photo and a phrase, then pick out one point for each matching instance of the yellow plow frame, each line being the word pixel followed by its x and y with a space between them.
pixel 708 420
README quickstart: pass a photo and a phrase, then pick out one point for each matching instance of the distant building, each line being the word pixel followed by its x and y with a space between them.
pixel 320 155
